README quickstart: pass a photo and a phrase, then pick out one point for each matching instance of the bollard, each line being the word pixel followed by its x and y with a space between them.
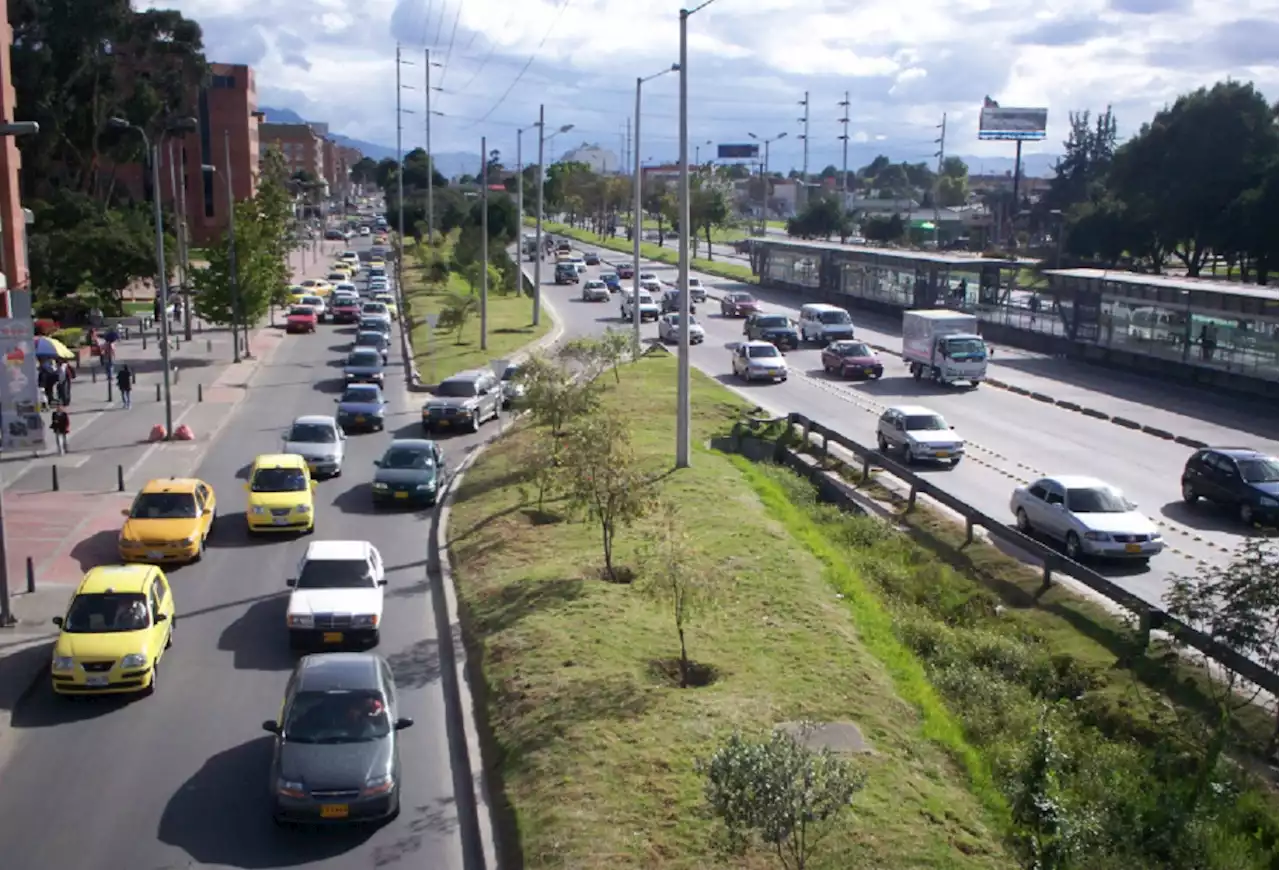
pixel 54 471
pixel 177 374
pixel 144 339
pixel 208 346
pixel 31 575
pixel 93 376
pixel 157 392
pixel 109 396
pixel 119 478
pixel 177 341
pixel 199 392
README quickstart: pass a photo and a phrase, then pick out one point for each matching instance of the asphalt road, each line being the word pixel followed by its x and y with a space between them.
pixel 179 779
pixel 1011 439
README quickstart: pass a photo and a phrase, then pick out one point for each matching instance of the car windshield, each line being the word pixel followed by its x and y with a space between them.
pixel 595 284
pixel 674 320
pixel 164 506
pixel 312 300
pixel 301 312
pixel 408 457
pixel 756 351
pixel 926 423
pixel 1096 500
pixel 279 480
pixel 341 716
pixel 965 347
pixel 364 358
pixel 834 317
pixel 511 373
pixel 312 433
pixel 1259 470
pixel 608 276
pixel 375 308
pixel 773 322
pixel 367 325
pixel 456 389
pixel 335 574
pixel 361 396
pixel 107 612
pixel 853 350
pixel 372 339
pixel 741 298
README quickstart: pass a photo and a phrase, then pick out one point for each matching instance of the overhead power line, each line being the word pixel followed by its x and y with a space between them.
pixel 448 52
pixel 426 20
pixel 555 19
pixel 493 49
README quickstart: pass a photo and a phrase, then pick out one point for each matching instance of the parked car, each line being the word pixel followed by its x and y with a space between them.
pixel 738 304
pixel 1238 478
pixel 777 329
pixel 851 359
pixel 669 329
pixel 1090 517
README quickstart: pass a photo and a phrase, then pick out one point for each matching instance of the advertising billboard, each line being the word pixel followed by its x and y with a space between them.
pixel 750 151
pixel 998 123
pixel 21 427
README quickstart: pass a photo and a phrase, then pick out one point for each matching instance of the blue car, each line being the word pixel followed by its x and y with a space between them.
pixel 362 408
pixel 612 281
pixel 364 366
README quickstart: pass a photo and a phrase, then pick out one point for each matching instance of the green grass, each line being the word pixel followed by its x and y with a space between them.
pixel 593 750
pixel 719 235
pixel 132 308
pixel 440 353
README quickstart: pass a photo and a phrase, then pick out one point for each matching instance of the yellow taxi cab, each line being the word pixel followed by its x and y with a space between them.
pixel 296 293
pixel 343 266
pixel 318 286
pixel 281 495
pixel 114 633
pixel 563 256
pixel 388 300
pixel 169 521
pixel 377 264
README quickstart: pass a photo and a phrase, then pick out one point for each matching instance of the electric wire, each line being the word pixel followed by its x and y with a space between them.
pixel 426 20
pixel 493 48
pixel 448 52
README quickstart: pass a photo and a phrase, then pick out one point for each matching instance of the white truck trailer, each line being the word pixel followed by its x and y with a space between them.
pixel 944 346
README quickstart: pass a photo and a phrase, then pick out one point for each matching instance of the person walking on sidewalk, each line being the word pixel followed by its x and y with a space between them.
pixel 124 383
pixel 48 380
pixel 66 375
pixel 60 425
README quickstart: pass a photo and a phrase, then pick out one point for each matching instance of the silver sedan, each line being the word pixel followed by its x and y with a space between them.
pixel 595 291
pixel 669 329
pixel 1090 517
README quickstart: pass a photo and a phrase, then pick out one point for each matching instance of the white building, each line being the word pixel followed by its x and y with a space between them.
pixel 601 160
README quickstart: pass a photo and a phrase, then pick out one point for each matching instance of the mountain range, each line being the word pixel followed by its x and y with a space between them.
pixel 455 163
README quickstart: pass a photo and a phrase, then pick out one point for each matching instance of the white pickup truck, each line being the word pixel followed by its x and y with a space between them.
pixel 944 346
pixel 649 309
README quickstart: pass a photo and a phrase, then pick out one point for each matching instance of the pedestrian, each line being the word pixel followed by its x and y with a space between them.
pixel 60 425
pixel 48 380
pixel 66 374
pixel 124 383
pixel 108 357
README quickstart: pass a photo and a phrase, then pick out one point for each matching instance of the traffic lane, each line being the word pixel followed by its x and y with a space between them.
pixel 191 761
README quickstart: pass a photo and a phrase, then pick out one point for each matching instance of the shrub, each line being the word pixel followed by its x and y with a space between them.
pixel 71 336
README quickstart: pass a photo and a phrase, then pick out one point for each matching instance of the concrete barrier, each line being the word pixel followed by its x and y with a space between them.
pixel 1189 442
pixel 1159 433
pixel 1041 397
pixel 1127 424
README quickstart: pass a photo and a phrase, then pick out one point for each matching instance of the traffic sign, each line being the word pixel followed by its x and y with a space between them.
pixel 499 366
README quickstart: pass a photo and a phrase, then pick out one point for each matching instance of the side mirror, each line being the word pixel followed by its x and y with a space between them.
pixel 313 485
pixel 124 513
pixel 291 582
pixel 246 487
pixel 161 617
pixel 57 620
pixel 382 582
pixel 336 401
pixel 270 727
pixel 401 723
pixel 377 463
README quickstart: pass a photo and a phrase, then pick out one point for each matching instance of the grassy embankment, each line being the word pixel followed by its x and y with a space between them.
pixel 595 747
pixel 719 235
pixel 829 616
pixel 440 353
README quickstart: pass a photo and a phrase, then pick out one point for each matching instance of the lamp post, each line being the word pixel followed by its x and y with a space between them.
pixel 520 187
pixel 179 125
pixel 697 150
pixel 638 219
pixel 764 179
pixel 542 183
pixel 428 63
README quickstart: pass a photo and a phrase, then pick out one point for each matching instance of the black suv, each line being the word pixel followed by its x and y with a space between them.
pixel 566 273
pixel 777 329
pixel 1235 477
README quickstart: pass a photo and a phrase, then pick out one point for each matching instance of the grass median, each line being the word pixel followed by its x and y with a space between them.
pixel 649 251
pixel 439 353
pixel 594 748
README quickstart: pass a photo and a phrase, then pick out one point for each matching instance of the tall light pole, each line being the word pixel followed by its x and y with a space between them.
pixel 484 244
pixel 233 269
pixel 637 221
pixel 431 167
pixel 542 183
pixel 683 410
pixel 697 152
pixel 178 125
pixel 942 158
pixel 804 166
pixel 520 185
pixel 764 179
pixel 844 159
pixel 400 113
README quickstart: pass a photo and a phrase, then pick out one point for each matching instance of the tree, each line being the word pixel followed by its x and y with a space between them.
pixel 365 171
pixel 881 229
pixel 457 312
pixel 1086 159
pixel 602 476
pixel 553 395
pixel 953 183
pixel 708 206
pixel 779 791
pixel 1048 831
pixel 822 217
pixel 493 167
pixel 543 457
pixel 674 576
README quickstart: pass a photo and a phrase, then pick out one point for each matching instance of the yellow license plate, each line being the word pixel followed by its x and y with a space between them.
pixel 868 372
pixel 334 811
pixel 1133 548
pixel 333 637
pixel 444 422
pixel 941 454
pixel 402 495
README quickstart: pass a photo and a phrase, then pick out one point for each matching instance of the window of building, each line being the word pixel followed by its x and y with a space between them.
pixel 224 82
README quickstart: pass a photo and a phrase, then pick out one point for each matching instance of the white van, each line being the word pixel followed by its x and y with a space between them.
pixel 824 324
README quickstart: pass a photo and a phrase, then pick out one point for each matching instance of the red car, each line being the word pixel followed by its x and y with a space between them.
pixel 625 271
pixel 738 304
pixel 301 319
pixel 851 359
pixel 346 311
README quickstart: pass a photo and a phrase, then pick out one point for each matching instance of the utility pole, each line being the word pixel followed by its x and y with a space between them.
pixel 683 387
pixel 803 200
pixel 400 113
pixel 626 152
pixel 431 166
pixel 484 244
pixel 844 160
pixel 937 181
pixel 181 231
pixel 233 269
pixel 537 227
pixel 520 197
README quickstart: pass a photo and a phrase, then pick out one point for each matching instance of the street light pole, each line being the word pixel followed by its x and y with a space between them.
pixel 764 179
pixel 683 409
pixel 484 244
pixel 163 285
pixel 537 225
pixel 431 167
pixel 232 267
pixel 637 220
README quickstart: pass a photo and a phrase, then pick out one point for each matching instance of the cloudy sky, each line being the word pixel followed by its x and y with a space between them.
pixel 750 64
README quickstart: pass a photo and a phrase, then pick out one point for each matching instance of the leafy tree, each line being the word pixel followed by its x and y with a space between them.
pixel 553 395
pixel 602 476
pixel 658 201
pixel 257 273
pixel 494 167
pixel 708 206
pixel 1086 159
pixel 456 313
pixel 778 791
pixel 675 577
pixel 543 457
pixel 615 346
pixel 953 183
pixel 823 217
pixel 880 229
pixel 1049 832
pixel 365 171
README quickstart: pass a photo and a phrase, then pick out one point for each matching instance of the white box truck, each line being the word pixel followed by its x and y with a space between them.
pixel 943 346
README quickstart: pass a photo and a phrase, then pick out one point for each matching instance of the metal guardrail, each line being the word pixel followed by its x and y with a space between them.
pixel 1150 618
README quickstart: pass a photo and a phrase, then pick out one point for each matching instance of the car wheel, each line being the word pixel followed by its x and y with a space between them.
pixel 199 551
pixel 1189 494
pixel 475 421
pixel 955 461
pixel 881 443
pixel 311 529
pixel 155 676
pixel 1024 524
pixel 1245 512
pixel 1074 550
pixel 168 641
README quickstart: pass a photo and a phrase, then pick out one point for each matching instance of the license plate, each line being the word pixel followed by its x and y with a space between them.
pixel 868 372
pixel 941 454
pixel 333 637
pixel 334 811
pixel 154 554
pixel 1133 548
pixel 360 419
pixel 443 422
pixel 95 681
pixel 402 495
pixel 280 521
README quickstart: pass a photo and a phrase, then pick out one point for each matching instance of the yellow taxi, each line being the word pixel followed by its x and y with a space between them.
pixel 318 286
pixel 377 264
pixel 281 495
pixel 388 300
pixel 115 631
pixel 169 521
pixel 343 266
pixel 296 293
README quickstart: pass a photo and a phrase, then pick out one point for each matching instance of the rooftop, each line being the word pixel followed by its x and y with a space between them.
pixel 120 578
pixel 1169 282
pixel 326 550
pixel 957 260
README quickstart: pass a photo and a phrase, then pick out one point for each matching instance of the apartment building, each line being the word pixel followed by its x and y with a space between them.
pixel 302 147
pixel 13 226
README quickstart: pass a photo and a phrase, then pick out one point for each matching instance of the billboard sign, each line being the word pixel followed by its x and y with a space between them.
pixel 21 427
pixel 750 151
pixel 1012 124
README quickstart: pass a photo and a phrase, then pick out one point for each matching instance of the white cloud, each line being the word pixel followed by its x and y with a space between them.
pixel 750 63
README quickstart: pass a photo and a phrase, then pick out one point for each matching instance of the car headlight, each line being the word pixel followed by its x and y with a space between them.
pixel 64 663
pixel 379 485
pixel 303 508
pixel 258 509
pixel 190 539
pixel 426 487
pixel 378 785
pixel 1267 502
pixel 134 660
pixel 1097 536
pixel 291 788
pixel 365 620
pixel 301 620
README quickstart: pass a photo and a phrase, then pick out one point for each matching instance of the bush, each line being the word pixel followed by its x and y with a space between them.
pixel 72 336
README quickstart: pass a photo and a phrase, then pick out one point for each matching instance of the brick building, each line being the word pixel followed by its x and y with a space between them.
pixel 13 226
pixel 301 145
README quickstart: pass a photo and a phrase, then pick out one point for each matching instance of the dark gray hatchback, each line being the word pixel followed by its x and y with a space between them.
pixel 336 757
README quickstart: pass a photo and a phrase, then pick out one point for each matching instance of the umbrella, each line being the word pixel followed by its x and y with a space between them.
pixel 47 347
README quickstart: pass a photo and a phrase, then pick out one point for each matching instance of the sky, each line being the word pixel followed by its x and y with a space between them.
pixel 750 64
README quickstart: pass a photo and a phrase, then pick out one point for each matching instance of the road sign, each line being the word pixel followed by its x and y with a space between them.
pixel 749 151
pixel 499 366
pixel 432 320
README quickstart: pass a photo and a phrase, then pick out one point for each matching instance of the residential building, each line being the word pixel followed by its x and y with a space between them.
pixel 13 226
pixel 301 145
pixel 601 160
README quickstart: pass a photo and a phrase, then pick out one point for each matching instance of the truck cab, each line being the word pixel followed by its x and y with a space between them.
pixel 944 346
